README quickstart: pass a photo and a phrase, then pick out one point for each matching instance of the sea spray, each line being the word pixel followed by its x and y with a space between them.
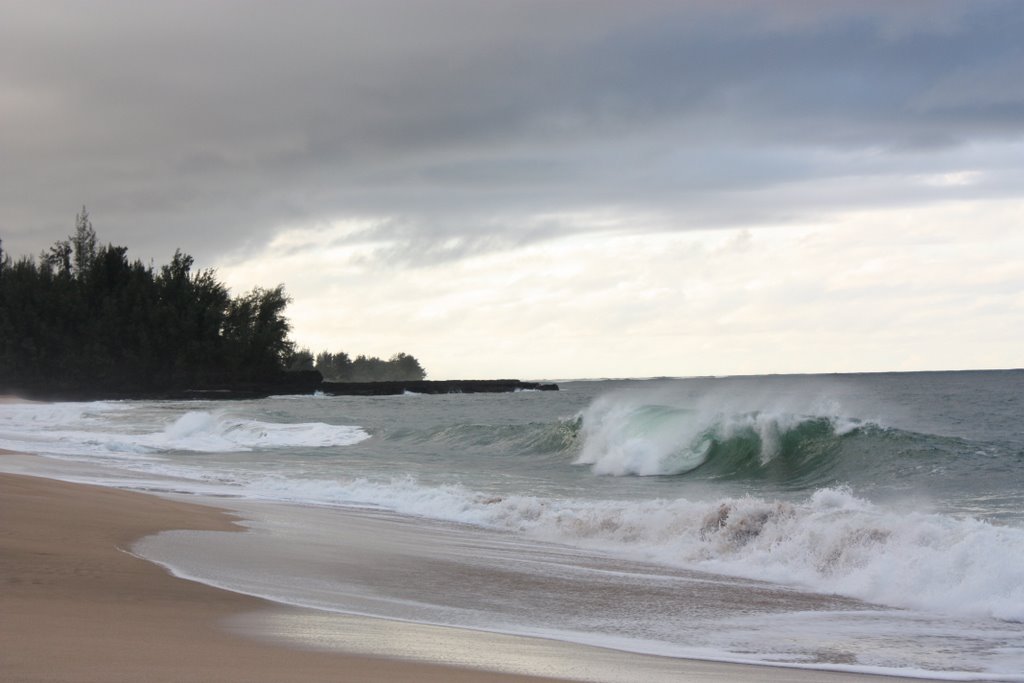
pixel 658 433
pixel 834 542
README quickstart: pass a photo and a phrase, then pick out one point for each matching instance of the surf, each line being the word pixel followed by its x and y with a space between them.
pixel 832 542
pixel 112 429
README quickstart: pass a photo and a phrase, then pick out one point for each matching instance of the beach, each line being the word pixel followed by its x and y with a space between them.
pixel 476 537
pixel 78 606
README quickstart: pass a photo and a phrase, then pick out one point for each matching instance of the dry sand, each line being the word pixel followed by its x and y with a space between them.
pixel 76 606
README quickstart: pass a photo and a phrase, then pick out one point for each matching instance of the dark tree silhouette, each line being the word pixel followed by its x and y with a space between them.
pixel 85 320
pixel 339 367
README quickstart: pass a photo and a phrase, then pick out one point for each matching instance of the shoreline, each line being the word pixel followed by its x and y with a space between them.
pixel 78 605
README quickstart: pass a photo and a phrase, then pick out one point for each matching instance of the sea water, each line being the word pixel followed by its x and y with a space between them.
pixel 864 522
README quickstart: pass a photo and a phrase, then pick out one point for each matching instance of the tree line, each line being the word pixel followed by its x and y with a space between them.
pixel 83 319
pixel 339 367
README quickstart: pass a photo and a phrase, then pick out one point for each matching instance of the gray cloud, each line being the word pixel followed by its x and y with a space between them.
pixel 209 125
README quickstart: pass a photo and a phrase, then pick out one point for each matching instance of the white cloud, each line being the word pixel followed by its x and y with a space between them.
pixel 951 179
pixel 939 287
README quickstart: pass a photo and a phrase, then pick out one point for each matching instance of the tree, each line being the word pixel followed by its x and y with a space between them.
pixel 83 242
pixel 338 367
pixel 87 321
pixel 300 360
pixel 190 312
pixel 334 366
pixel 256 333
pixel 407 367
pixel 59 257
pixel 73 256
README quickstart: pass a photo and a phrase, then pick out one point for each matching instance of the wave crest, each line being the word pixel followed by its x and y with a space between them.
pixel 622 438
pixel 207 432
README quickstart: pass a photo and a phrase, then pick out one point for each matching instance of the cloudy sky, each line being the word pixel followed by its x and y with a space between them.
pixel 549 189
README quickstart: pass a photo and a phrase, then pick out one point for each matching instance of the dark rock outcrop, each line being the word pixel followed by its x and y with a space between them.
pixel 303 382
pixel 457 386
pixel 294 382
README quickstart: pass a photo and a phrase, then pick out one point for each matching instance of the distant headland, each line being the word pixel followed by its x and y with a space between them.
pixel 84 323
pixel 456 386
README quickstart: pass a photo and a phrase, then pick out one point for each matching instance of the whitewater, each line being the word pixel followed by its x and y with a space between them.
pixel 854 522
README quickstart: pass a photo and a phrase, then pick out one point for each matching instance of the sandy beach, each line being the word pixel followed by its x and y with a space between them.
pixel 77 606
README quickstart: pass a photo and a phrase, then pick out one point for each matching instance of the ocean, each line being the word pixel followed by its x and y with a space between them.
pixel 867 522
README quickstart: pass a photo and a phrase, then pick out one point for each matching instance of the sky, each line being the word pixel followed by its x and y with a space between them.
pixel 549 190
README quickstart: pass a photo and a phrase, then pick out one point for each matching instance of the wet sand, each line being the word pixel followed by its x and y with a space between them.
pixel 77 606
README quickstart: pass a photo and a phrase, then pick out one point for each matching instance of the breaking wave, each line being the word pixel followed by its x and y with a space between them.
pixel 211 432
pixel 832 542
pixel 83 429
pixel 624 435
pixel 787 444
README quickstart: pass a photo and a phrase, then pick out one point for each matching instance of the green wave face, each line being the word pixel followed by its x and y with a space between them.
pixel 787 450
pixel 802 454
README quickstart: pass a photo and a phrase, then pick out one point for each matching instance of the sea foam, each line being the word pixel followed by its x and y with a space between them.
pixel 212 432
pixel 108 430
pixel 833 542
